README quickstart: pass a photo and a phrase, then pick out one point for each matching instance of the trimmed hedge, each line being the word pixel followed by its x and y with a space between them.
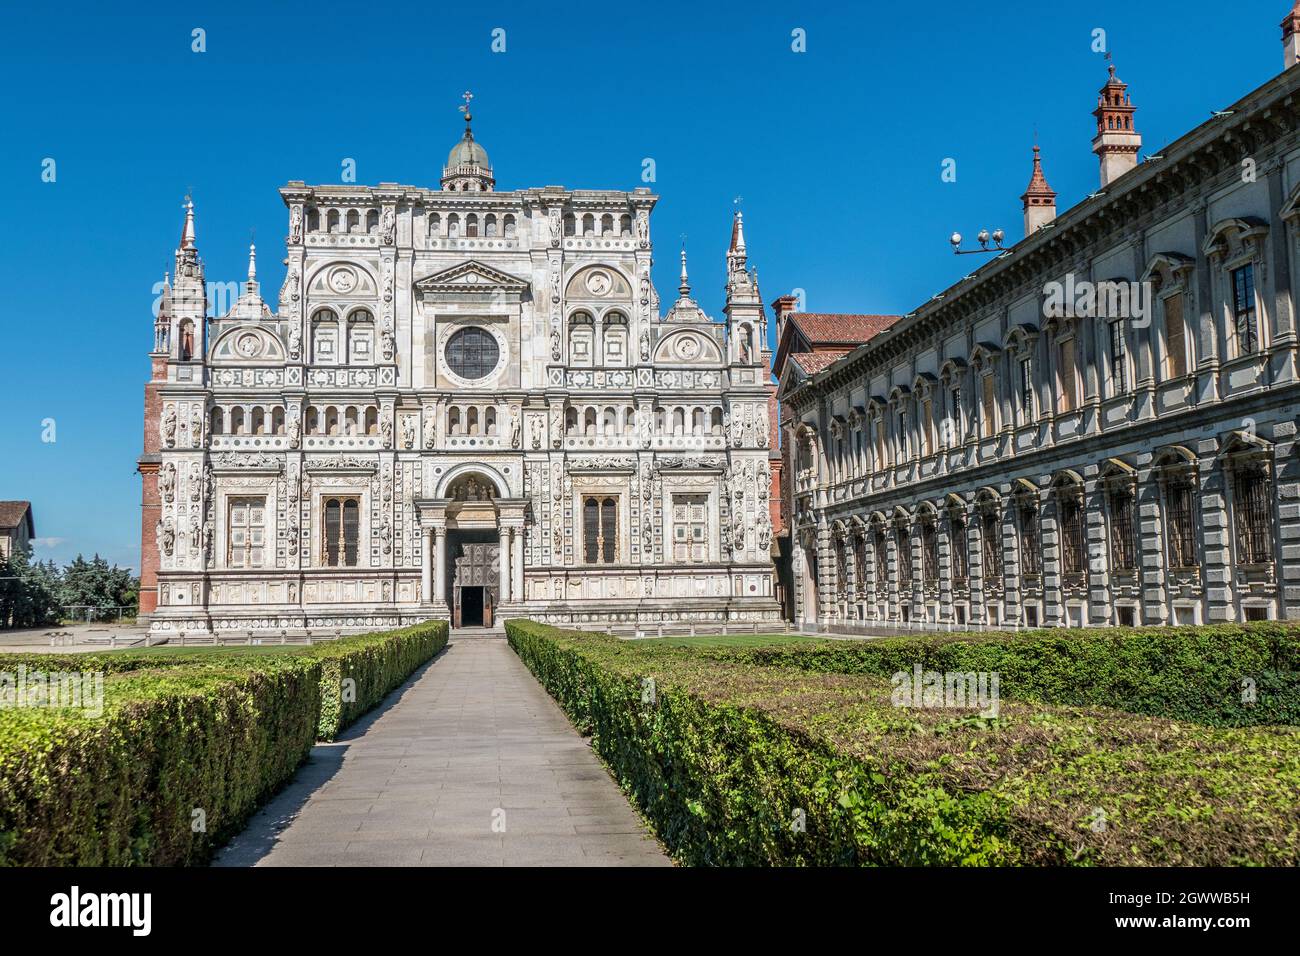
pixel 737 763
pixel 213 729
pixel 1185 673
pixel 122 789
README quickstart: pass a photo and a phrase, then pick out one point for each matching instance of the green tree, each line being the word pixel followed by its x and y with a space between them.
pixel 96 585
pixel 28 592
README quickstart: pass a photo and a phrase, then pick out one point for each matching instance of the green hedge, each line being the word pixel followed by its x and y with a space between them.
pixel 376 664
pixel 212 729
pixel 123 788
pixel 731 756
pixel 1185 673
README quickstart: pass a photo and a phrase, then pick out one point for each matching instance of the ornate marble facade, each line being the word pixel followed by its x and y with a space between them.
pixel 448 367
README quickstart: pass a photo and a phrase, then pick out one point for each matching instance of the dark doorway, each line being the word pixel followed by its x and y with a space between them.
pixel 471 607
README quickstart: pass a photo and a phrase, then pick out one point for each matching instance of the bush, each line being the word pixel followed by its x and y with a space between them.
pixel 1185 673
pixel 212 729
pixel 124 788
pixel 737 763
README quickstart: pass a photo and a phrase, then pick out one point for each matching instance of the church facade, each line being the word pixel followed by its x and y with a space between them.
pixel 467 404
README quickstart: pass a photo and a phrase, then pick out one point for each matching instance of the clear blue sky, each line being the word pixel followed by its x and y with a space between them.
pixel 837 152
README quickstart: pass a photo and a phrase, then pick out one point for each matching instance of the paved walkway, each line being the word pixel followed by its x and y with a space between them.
pixel 469 763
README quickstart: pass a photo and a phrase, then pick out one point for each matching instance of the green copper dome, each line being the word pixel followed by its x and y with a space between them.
pixel 468 153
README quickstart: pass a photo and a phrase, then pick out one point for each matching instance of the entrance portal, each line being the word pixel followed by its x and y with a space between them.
pixel 474 579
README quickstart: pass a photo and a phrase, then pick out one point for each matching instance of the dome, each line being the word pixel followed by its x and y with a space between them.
pixel 468 153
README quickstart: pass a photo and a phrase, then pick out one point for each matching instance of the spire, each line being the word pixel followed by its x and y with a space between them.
pixel 1039 199
pixel 252 261
pixel 738 233
pixel 1291 38
pixel 1117 141
pixel 685 287
pixel 187 234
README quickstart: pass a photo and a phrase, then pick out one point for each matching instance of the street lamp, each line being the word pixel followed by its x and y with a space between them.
pixel 984 236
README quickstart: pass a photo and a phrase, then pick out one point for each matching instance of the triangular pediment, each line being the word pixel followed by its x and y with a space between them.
pixel 468 276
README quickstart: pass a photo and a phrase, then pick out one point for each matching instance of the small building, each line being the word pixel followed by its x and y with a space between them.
pixel 17 527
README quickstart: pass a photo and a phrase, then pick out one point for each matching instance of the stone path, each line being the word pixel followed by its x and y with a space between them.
pixel 472 740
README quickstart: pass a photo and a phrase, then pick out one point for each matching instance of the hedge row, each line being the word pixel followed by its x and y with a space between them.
pixel 1231 675
pixel 736 763
pixel 191 741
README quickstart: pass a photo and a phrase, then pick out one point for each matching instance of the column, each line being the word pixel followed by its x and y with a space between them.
pixel 517 588
pixel 503 562
pixel 426 567
pixel 440 567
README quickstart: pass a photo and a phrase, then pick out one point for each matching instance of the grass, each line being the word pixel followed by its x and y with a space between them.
pixel 727 640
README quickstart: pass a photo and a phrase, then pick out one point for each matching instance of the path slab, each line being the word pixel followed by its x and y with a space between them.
pixel 470 763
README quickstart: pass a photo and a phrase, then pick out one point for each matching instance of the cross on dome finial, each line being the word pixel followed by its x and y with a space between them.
pixel 466 96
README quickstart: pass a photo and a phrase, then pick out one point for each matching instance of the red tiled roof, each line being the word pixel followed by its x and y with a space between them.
pixel 824 328
pixel 814 362
pixel 14 513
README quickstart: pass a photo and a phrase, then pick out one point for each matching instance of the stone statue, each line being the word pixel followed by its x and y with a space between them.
pixel 389 343
pixel 764 532
pixel 388 226
pixel 764 426
pixel 645 346
pixel 295 430
pixel 514 426
pixel 642 228
pixel 557 427
pixel 196 427
pixel 408 432
pixel 295 342
pixel 430 426
pixel 295 224
pixel 536 429
pixel 166 536
pixel 386 428
pixel 167 481
pixel 169 426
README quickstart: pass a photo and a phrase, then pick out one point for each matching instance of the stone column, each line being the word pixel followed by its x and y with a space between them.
pixel 517 588
pixel 503 568
pixel 426 567
pixel 440 567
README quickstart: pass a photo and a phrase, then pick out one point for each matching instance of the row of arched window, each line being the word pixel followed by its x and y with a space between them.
pixel 471 225
pixel 344 221
pixel 603 342
pixel 343 340
pixel 472 420
pixel 592 226
pixel 592 421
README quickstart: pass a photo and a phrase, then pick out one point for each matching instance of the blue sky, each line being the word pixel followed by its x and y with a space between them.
pixel 836 151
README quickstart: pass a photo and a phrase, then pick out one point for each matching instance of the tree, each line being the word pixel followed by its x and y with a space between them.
pixel 95 585
pixel 28 592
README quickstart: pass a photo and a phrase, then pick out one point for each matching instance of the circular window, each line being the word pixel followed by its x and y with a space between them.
pixel 472 353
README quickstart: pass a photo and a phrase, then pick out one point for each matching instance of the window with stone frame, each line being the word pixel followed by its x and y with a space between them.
pixel 690 528
pixel 991 535
pixel 1245 319
pixel 882 562
pixel 1031 549
pixel 988 406
pixel 929 552
pixel 860 564
pixel 955 422
pixel 1026 390
pixel 246 532
pixel 1123 532
pixel 340 531
pixel 600 529
pixel 1175 328
pixel 927 425
pixel 959 555
pixel 881 460
pixel 1252 507
pixel 1074 549
pixel 1180 515
pixel 1118 358
pixel 903 541
pixel 1066 375
pixel 841 568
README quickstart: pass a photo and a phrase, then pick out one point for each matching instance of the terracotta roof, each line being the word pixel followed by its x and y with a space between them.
pixel 14 513
pixel 814 362
pixel 824 328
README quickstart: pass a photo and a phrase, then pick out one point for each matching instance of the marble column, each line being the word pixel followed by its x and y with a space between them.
pixel 426 567
pixel 503 562
pixel 517 588
pixel 440 567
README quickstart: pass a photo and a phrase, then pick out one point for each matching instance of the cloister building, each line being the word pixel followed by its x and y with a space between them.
pixel 467 404
pixel 1096 427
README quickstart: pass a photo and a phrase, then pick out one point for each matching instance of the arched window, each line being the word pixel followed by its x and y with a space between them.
pixel 929 551
pixel 332 220
pixel 625 226
pixel 471 420
pixel 716 422
pixel 860 564
pixel 217 420
pixel 489 225
pixel 313 220
pixel 372 222
pixel 600 529
pixel 453 421
pixel 186 344
pixel 1252 510
pixel 453 226
pixel 571 421
pixel 471 226
pixel 629 419
pixel 490 421
pixel 606 224
pixel 312 426
pixel 1074 549
pixel 237 421
pixel 1121 503
pixel 372 420
pixel 331 421
pixel 903 542
pixel 435 225
pixel 1180 515
pixel 341 532
pixel 958 547
pixel 588 225
pixel 991 546
pixel 354 221
pixel 351 421
pixel 510 226
pixel 277 420
pixel 569 226
pixel 679 421
pixel 1031 549
pixel 589 422
pixel 258 421
pixel 582 339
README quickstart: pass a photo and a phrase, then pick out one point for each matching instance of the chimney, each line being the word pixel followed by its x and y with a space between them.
pixel 782 307
pixel 1039 199
pixel 1291 38
pixel 1117 141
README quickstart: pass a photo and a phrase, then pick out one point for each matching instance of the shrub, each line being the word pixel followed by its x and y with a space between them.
pixel 1185 673
pixel 737 763
pixel 123 788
